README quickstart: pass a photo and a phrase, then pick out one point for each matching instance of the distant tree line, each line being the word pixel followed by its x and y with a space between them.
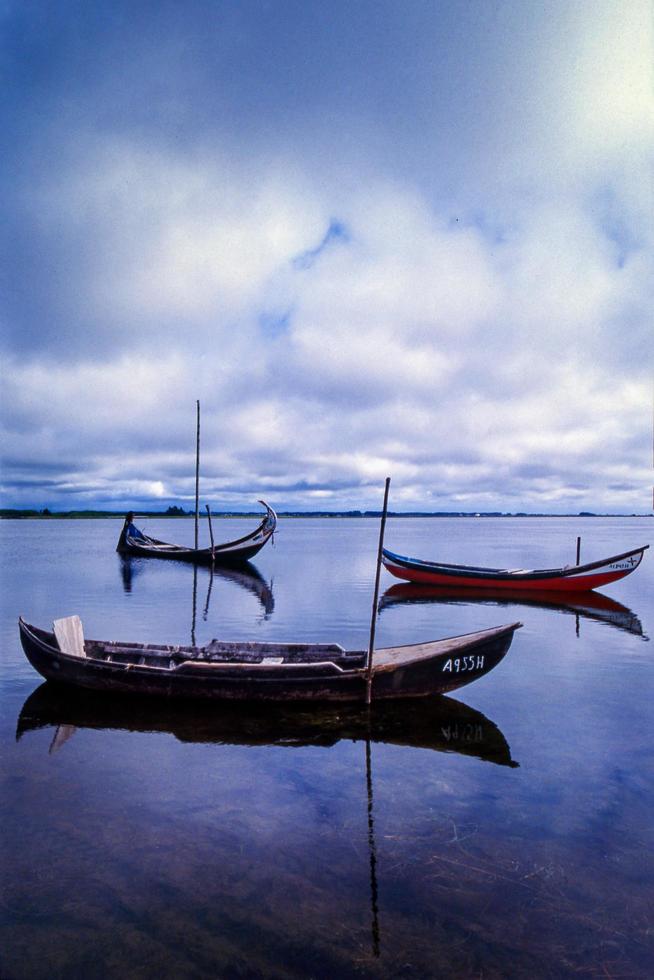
pixel 176 511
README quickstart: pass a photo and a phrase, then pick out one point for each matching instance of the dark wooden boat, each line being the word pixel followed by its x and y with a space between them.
pixel 252 671
pixel 440 723
pixel 230 553
pixel 571 578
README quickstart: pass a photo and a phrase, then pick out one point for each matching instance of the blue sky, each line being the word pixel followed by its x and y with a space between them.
pixel 376 238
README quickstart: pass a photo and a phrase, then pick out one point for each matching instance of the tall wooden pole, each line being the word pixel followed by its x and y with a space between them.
pixel 213 555
pixel 373 620
pixel 197 477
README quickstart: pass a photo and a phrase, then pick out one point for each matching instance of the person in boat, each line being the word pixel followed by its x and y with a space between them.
pixel 130 529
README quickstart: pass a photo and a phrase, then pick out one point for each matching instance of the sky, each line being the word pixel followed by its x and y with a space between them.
pixel 405 238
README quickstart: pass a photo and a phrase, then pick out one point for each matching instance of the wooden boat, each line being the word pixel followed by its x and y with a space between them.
pixel 253 671
pixel 571 578
pixel 230 553
pixel 441 724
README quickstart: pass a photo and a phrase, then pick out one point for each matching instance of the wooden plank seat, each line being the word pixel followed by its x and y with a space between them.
pixel 256 652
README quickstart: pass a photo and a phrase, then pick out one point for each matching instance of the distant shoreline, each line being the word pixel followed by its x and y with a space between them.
pixel 46 515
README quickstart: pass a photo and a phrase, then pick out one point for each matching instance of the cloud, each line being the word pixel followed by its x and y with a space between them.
pixel 438 267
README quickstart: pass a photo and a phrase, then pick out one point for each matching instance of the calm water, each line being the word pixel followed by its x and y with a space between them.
pixel 505 831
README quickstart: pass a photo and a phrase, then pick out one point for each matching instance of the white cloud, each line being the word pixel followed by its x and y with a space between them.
pixel 483 334
pixel 434 353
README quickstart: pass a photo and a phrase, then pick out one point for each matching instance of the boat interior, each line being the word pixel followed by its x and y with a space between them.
pixel 217 651
pixel 225 652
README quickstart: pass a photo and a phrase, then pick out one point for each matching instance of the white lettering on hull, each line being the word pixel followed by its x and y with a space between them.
pixel 458 665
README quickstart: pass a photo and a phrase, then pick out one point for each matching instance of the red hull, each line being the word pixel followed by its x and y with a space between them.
pixel 581 583
pixel 577 578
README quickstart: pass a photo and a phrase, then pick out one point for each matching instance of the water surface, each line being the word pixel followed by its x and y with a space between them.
pixel 505 830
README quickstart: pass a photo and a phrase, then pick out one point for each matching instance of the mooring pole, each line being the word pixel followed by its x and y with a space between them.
pixel 197 476
pixel 578 550
pixel 213 557
pixel 373 620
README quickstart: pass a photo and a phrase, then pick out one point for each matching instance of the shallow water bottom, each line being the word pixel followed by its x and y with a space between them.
pixel 504 831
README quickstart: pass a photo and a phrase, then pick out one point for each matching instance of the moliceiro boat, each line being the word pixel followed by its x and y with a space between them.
pixel 253 671
pixel 571 578
pixel 137 544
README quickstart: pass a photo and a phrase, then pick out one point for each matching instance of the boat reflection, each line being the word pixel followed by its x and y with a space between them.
pixel 583 605
pixel 440 723
pixel 246 576
pixel 129 569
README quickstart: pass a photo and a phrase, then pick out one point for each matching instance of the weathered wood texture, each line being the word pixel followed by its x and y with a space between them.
pixel 70 635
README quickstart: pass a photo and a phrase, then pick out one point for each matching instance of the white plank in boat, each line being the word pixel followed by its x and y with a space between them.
pixel 70 635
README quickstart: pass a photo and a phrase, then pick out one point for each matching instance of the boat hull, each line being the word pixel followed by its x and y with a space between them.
pixel 580 578
pixel 230 553
pixel 401 672
pixel 201 556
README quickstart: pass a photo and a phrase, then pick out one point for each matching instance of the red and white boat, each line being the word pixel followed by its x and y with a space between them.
pixel 570 578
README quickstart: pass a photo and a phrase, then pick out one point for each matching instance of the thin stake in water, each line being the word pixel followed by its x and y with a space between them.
pixel 373 621
pixel 213 553
pixel 197 475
